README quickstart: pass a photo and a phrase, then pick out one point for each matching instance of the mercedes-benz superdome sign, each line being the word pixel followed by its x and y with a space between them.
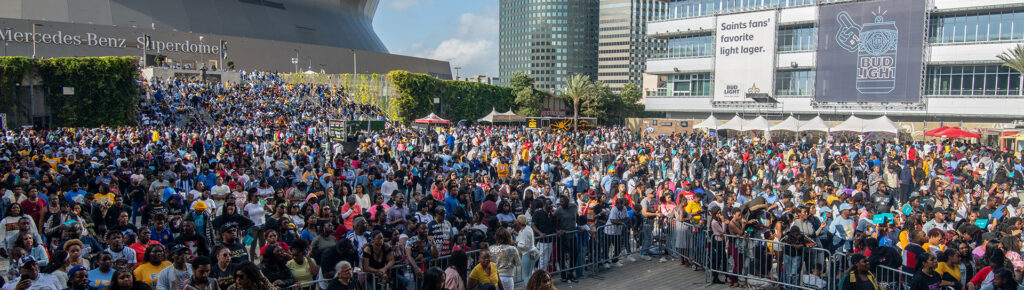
pixel 870 51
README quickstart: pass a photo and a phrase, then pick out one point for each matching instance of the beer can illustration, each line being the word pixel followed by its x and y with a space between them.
pixel 876 57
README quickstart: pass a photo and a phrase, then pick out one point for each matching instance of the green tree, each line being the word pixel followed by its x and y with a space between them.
pixel 628 103
pixel 599 102
pixel 521 81
pixel 528 100
pixel 578 89
pixel 1014 59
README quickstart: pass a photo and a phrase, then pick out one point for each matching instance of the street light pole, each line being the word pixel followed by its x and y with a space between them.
pixel 223 46
pixel 8 30
pixel 145 49
pixel 354 63
pixel 296 60
pixel 199 55
pixel 34 38
pixel 457 72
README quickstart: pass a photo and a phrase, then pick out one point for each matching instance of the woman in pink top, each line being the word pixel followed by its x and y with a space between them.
pixel 453 275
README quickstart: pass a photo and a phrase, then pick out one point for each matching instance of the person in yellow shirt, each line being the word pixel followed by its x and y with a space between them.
pixel 485 272
pixel 103 198
pixel 934 244
pixel 502 170
pixel 949 266
pixel 694 209
pixel 155 262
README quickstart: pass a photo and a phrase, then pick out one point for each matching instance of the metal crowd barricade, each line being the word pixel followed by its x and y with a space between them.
pixel 760 262
pixel 312 285
pixel 836 265
pixel 893 279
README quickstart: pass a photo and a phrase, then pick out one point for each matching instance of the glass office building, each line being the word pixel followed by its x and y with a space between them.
pixel 961 75
pixel 548 40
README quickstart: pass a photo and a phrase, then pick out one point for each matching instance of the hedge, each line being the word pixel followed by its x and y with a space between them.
pixel 461 100
pixel 106 91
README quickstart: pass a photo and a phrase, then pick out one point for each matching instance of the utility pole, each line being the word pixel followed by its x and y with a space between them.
pixel 457 72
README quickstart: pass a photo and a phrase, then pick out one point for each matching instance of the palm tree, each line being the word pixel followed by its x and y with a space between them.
pixel 1014 59
pixel 576 89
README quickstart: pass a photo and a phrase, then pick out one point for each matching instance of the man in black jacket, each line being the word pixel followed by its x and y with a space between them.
pixel 342 251
pixel 882 255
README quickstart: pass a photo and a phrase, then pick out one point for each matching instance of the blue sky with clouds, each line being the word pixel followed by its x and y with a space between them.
pixel 463 32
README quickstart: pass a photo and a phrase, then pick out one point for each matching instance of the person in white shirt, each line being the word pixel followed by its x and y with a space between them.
pixel 177 272
pixel 388 187
pixel 28 267
pixel 220 190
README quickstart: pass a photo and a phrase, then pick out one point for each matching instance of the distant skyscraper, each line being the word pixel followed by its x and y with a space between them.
pixel 549 40
pixel 623 44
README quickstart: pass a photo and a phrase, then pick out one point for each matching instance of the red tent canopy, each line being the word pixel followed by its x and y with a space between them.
pixel 955 132
pixel 935 132
pixel 432 119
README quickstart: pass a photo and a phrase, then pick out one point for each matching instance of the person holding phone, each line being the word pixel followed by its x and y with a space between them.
pixel 30 278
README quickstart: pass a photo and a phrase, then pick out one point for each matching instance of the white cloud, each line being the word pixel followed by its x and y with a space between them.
pixel 476 56
pixel 474 45
pixel 402 5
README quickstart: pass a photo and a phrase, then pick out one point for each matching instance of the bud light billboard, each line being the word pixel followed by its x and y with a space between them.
pixel 870 51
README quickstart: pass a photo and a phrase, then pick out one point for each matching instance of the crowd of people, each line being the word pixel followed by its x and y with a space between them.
pixel 255 200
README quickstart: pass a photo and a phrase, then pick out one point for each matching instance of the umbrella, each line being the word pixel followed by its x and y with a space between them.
pixel 935 132
pixel 956 132
pixel 432 119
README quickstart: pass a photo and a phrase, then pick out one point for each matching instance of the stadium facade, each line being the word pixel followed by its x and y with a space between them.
pixel 334 36
pixel 907 59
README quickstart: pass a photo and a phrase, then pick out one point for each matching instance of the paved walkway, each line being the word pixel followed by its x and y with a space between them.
pixel 643 275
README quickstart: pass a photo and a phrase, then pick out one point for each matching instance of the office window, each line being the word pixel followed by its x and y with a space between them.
pixel 972 80
pixel 688 47
pixel 797 39
pixel 794 83
pixel 976 27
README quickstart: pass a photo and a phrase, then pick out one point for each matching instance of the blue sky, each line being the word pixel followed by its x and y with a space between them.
pixel 463 32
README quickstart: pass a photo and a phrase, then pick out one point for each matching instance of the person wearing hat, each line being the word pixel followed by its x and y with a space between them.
pixel 842 229
pixel 201 218
pixel 229 239
pixel 30 277
pixel 178 273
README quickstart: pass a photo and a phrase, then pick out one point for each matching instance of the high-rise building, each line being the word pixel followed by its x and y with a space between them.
pixel 549 40
pixel 623 42
pixel 909 60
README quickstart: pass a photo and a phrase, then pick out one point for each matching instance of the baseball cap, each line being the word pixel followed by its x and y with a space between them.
pixel 845 206
pixel 75 269
pixel 25 260
pixel 178 247
pixel 228 226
